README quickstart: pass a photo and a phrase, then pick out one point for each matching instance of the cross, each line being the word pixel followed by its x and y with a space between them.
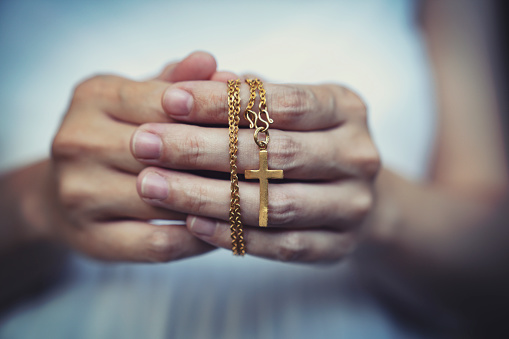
pixel 263 174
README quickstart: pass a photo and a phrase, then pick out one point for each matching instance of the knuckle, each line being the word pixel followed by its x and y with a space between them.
pixel 349 101
pixel 72 193
pixel 65 146
pixel 83 90
pixel 61 147
pixel 283 208
pixel 215 105
pixel 293 103
pixel 90 87
pixel 195 198
pixel 367 162
pixel 361 205
pixel 364 160
pixel 163 246
pixel 70 143
pixel 198 199
pixel 188 151
pixel 125 90
pixel 96 86
pixel 333 93
pixel 292 247
pixel 285 152
pixel 371 163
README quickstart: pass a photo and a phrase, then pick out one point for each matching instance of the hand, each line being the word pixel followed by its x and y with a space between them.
pixel 99 210
pixel 319 138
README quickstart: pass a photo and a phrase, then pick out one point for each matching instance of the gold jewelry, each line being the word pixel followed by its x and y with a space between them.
pixel 237 234
pixel 263 174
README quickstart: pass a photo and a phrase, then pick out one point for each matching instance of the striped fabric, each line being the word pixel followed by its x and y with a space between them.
pixel 214 296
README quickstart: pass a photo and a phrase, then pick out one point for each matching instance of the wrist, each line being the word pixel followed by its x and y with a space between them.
pixel 38 202
pixel 386 217
pixel 26 199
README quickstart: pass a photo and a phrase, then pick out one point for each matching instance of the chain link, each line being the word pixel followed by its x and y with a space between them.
pixel 237 233
pixel 249 114
pixel 253 117
pixel 236 230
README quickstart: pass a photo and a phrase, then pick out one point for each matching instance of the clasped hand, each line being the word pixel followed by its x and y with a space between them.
pixel 102 156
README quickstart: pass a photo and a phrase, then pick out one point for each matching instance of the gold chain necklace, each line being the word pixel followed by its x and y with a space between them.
pixel 237 233
pixel 260 122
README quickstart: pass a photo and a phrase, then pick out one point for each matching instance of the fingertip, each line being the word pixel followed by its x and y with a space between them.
pixel 201 227
pixel 146 146
pixel 203 57
pixel 177 102
pixel 140 179
pixel 169 243
pixel 212 231
pixel 196 102
pixel 198 65
pixel 153 187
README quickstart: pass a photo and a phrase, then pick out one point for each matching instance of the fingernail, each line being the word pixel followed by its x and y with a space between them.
pixel 203 226
pixel 153 186
pixel 177 101
pixel 147 145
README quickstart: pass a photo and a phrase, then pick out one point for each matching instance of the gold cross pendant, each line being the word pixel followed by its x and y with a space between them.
pixel 263 174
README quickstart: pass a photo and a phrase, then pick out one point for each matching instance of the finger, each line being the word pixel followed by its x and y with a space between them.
pixel 109 146
pixel 326 155
pixel 138 102
pixel 196 66
pixel 339 205
pixel 223 76
pixel 93 192
pixel 120 200
pixel 292 107
pixel 283 245
pixel 137 241
pixel 116 151
pixel 121 99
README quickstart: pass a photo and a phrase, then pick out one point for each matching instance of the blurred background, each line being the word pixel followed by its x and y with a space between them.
pixel 50 46
pixel 374 47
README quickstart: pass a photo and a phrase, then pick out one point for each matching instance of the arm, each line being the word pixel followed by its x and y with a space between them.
pixel 22 206
pixel 27 258
pixel 439 235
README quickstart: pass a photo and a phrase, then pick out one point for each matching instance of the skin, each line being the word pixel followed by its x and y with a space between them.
pixel 109 174
pixel 319 136
pixel 86 194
